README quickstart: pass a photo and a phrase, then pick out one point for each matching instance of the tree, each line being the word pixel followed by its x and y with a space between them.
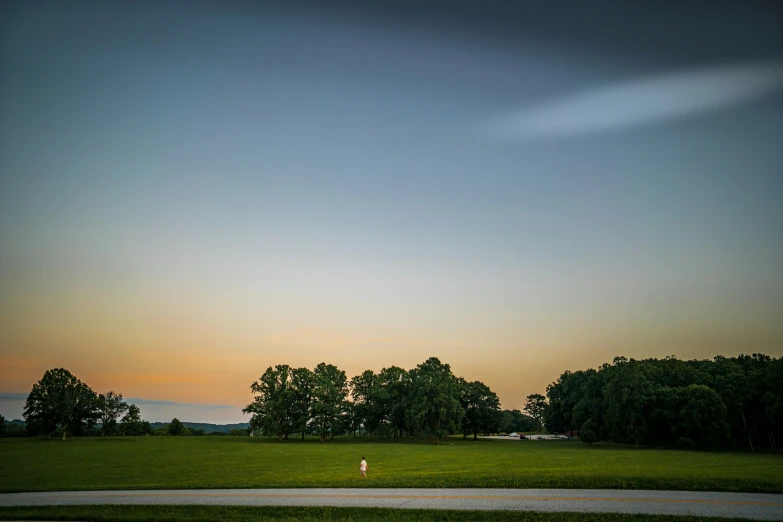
pixel 302 382
pixel 736 392
pixel 131 422
pixel 627 395
pixel 110 407
pixel 515 420
pixel 2 426
pixel 175 427
pixel 329 392
pixel 435 394
pixel 703 416
pixel 365 391
pixel 394 383
pixel 146 428
pixel 536 407
pixel 588 433
pixel 482 408
pixel 61 400
pixel 273 407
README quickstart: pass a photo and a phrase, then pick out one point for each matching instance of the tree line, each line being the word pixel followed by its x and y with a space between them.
pixel 60 403
pixel 735 401
pixel 426 401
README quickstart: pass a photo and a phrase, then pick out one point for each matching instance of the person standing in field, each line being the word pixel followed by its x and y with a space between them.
pixel 363 469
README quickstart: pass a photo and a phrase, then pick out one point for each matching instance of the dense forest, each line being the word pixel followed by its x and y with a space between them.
pixel 735 402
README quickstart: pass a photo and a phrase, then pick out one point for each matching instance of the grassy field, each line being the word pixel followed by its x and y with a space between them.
pixel 313 514
pixel 239 462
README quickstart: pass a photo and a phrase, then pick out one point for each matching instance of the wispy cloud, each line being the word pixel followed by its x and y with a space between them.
pixel 639 102
pixel 9 396
pixel 5 396
pixel 149 402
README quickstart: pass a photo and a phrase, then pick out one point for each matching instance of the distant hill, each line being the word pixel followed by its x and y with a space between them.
pixel 208 428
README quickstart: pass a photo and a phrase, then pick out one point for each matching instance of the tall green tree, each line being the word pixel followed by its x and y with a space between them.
pixel 366 394
pixel 110 407
pixel 434 395
pixel 627 395
pixel 394 383
pixel 535 406
pixel 482 408
pixel 61 400
pixel 176 428
pixel 131 421
pixel 702 416
pixel 302 384
pixel 2 426
pixel 273 407
pixel 515 420
pixel 329 394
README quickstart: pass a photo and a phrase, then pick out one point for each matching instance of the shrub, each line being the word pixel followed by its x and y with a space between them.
pixel 588 434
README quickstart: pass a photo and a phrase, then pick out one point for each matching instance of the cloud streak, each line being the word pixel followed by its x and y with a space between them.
pixel 148 402
pixel 5 396
pixel 639 102
pixel 9 396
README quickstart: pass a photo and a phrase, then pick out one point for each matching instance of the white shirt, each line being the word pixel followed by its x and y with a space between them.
pixel 363 466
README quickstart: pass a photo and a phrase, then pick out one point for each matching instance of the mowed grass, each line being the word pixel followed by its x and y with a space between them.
pixel 242 462
pixel 312 514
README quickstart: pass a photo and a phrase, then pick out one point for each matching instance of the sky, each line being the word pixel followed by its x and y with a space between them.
pixel 191 192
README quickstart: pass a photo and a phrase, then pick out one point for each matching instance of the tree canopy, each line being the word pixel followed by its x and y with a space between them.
pixel 60 400
pixel 697 403
pixel 110 406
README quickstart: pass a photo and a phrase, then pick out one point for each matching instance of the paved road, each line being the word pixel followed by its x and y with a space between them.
pixel 517 439
pixel 747 505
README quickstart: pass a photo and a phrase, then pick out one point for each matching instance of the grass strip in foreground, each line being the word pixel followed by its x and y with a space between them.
pixel 312 514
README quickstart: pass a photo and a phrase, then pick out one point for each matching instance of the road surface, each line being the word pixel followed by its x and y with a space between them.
pixel 517 439
pixel 748 505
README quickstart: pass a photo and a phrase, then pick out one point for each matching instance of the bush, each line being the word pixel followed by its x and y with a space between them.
pixel 686 443
pixel 588 434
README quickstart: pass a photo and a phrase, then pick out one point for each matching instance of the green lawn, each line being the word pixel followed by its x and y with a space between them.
pixel 313 514
pixel 242 462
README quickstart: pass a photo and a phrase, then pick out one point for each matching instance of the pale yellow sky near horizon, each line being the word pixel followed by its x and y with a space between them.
pixel 201 359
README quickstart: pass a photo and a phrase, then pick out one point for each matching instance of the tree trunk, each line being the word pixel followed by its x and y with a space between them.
pixel 302 435
pixel 64 433
pixel 475 435
pixel 331 436
pixel 746 431
pixel 323 437
pixel 279 437
pixel 370 433
pixel 286 436
pixel 464 436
